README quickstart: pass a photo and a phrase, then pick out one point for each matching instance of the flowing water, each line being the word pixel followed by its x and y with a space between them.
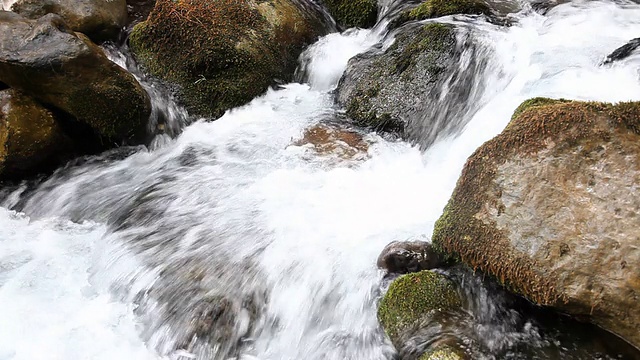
pixel 233 241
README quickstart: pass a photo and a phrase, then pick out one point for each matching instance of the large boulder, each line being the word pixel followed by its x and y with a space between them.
pixel 399 90
pixel 550 208
pixel 65 70
pixel 222 54
pixel 353 13
pixel 99 20
pixel 30 138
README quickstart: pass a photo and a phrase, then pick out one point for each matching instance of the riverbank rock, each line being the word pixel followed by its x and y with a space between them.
pixel 30 138
pixel 437 8
pixel 550 208
pixel 65 70
pixel 222 54
pixel 99 20
pixel 413 301
pixel 353 13
pixel 399 90
pixel 401 257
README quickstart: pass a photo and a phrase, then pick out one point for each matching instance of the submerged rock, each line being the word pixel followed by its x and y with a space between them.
pixel 399 90
pixel 550 208
pixel 99 20
pixel 30 138
pixel 334 141
pixel 413 301
pixel 403 257
pixel 353 13
pixel 65 70
pixel 222 54
pixel 443 353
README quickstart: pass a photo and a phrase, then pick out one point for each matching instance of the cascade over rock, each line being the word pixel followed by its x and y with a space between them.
pixel 99 20
pixel 222 54
pixel 65 70
pixel 550 208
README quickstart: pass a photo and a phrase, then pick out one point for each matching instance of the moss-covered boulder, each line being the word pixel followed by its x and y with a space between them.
pixel 99 20
pixel 66 71
pixel 221 54
pixel 412 301
pixel 550 208
pixel 353 13
pixel 399 90
pixel 31 140
pixel 443 353
pixel 437 8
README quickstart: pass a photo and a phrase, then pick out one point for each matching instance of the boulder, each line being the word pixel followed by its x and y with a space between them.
pixel 30 138
pixel 65 70
pixel 415 302
pixel 399 89
pixel 100 20
pixel 437 8
pixel 623 51
pixel 222 54
pixel 353 13
pixel 401 257
pixel 550 208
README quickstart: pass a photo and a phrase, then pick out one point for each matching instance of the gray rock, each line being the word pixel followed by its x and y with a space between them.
pixel 403 257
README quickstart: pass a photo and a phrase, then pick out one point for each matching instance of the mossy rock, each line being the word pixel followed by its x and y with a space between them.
pixel 30 138
pixel 443 353
pixel 413 297
pixel 437 8
pixel 353 13
pixel 221 54
pixel 546 208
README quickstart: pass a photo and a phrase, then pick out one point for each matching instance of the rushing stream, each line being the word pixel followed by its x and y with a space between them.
pixel 136 253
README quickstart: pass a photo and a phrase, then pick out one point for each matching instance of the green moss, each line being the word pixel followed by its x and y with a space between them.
pixel 413 296
pixel 537 123
pixel 437 8
pixel 442 353
pixel 533 102
pixel 432 39
pixel 353 13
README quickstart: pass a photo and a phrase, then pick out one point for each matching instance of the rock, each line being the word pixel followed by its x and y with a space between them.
pixel 403 257
pixel 437 8
pixel 139 10
pixel 623 52
pixel 443 353
pixel 98 19
pixel 30 138
pixel 65 70
pixel 353 13
pixel 222 54
pixel 550 208
pixel 399 90
pixel 412 301
pixel 334 141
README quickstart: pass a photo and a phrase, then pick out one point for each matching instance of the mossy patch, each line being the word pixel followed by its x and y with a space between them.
pixel 537 124
pixel 414 296
pixel 442 353
pixel 353 13
pixel 437 8
pixel 222 53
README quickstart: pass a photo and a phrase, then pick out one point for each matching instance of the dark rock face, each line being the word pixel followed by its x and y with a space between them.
pixel 353 13
pixel 65 70
pixel 438 8
pixel 399 90
pixel 30 138
pixel 99 20
pixel 403 257
pixel 623 51
pixel 549 207
pixel 222 54
pixel 139 10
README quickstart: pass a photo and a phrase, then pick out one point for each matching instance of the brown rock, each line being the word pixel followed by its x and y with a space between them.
pixel 328 140
pixel 409 256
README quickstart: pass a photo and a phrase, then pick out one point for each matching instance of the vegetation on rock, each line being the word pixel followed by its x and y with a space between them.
pixel 353 13
pixel 437 8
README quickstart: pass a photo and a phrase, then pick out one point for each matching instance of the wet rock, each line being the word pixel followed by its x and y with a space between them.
pixel 65 70
pixel 353 13
pixel 437 8
pixel 623 52
pixel 222 54
pixel 30 138
pixel 403 257
pixel 550 208
pixel 443 353
pixel 414 301
pixel 399 90
pixel 334 141
pixel 139 10
pixel 99 20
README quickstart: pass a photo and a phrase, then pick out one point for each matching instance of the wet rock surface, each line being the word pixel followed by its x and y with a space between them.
pixel 353 13
pixel 65 70
pixel 329 140
pixel 549 208
pixel 99 20
pixel 623 52
pixel 401 257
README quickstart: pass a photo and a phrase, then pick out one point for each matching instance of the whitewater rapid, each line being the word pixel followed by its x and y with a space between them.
pixel 238 193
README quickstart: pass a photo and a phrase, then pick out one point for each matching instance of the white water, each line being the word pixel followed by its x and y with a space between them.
pixel 235 191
